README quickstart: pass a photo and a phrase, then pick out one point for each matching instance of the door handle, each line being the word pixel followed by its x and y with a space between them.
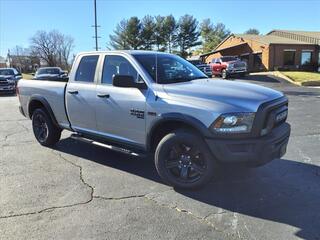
pixel 103 95
pixel 73 91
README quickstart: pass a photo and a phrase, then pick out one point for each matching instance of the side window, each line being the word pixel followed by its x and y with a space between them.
pixel 117 65
pixel 87 69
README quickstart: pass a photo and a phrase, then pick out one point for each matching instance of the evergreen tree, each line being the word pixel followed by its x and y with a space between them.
pixel 212 35
pixel 118 40
pixel 159 33
pixel 170 32
pixel 148 35
pixel 133 33
pixel 188 35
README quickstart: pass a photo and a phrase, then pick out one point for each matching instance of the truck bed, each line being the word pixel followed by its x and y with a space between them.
pixel 52 91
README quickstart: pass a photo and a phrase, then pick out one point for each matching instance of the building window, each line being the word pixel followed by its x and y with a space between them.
pixel 288 57
pixel 306 57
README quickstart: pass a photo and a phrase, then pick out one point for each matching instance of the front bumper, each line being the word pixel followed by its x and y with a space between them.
pixel 237 70
pixel 253 152
pixel 7 88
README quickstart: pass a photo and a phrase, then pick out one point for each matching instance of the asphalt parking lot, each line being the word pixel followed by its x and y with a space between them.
pixel 81 191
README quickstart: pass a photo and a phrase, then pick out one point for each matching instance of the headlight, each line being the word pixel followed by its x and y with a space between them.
pixel 233 123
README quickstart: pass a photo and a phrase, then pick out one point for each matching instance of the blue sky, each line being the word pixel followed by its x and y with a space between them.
pixel 20 19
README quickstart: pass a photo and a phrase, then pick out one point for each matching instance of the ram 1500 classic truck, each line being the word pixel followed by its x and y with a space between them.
pixel 158 103
pixel 227 66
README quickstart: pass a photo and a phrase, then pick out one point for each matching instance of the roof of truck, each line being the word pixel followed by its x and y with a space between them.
pixel 125 51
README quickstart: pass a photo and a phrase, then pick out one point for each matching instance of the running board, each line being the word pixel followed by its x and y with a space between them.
pixel 111 147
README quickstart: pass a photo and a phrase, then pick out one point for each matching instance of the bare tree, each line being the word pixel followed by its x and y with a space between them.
pixel 21 59
pixel 52 47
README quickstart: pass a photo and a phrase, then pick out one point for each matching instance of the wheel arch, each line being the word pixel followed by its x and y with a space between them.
pixel 172 121
pixel 36 102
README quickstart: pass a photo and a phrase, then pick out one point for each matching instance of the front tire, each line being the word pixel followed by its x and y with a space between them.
pixel 183 160
pixel 224 74
pixel 46 133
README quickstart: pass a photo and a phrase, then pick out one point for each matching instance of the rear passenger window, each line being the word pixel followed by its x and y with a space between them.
pixel 87 69
pixel 117 65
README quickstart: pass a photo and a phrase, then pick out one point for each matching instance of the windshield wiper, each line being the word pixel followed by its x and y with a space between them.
pixel 178 80
pixel 202 77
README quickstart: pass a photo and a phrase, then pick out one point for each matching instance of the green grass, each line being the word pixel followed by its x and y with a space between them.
pixel 26 76
pixel 303 78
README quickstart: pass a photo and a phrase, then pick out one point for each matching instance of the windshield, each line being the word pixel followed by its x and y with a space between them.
pixel 6 72
pixel 167 68
pixel 229 59
pixel 48 71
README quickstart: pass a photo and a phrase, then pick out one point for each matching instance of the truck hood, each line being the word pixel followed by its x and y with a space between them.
pixel 46 76
pixel 222 94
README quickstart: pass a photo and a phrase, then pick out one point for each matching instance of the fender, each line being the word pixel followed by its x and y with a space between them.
pixel 46 104
pixel 184 118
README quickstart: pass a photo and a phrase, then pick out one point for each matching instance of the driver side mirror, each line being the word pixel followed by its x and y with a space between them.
pixel 127 81
pixel 18 76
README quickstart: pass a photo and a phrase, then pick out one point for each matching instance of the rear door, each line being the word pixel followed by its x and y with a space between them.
pixel 120 111
pixel 81 95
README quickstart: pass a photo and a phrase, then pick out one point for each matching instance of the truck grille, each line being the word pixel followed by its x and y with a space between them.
pixel 4 83
pixel 205 68
pixel 274 116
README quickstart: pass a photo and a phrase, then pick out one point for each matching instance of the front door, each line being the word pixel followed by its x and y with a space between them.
pixel 81 96
pixel 120 111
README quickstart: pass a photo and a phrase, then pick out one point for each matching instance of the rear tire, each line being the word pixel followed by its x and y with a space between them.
pixel 183 160
pixel 46 133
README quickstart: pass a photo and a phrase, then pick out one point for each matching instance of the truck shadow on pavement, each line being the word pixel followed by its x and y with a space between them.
pixel 282 191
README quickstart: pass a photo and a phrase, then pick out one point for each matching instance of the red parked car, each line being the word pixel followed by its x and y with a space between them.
pixel 227 66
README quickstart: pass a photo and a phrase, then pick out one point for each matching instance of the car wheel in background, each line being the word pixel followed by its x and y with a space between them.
pixel 224 74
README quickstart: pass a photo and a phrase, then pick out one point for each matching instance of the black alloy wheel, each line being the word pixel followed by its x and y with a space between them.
pixel 185 163
pixel 183 159
pixel 40 127
pixel 46 133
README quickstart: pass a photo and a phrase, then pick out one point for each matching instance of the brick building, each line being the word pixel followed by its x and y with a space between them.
pixel 279 49
pixel 3 63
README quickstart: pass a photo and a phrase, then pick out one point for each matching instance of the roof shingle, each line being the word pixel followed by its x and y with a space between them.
pixel 270 39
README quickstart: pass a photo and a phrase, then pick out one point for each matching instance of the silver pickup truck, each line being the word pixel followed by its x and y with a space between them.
pixel 159 104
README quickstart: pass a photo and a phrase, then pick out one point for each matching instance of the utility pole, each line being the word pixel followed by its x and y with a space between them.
pixel 96 25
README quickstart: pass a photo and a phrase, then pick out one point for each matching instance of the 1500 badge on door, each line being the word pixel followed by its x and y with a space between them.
pixel 137 113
